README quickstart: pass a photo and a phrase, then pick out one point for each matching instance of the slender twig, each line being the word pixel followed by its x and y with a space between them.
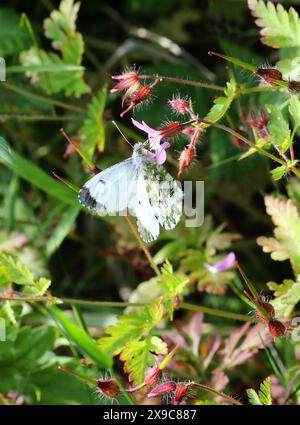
pixel 249 143
pixel 183 81
pixel 218 393
pixel 19 117
pixel 215 312
pixel 43 99
pixel 142 245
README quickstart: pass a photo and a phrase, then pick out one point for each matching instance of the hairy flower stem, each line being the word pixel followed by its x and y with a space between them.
pixel 143 245
pixel 183 81
pixel 218 393
pixel 249 143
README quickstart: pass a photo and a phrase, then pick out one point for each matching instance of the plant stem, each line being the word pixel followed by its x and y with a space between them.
pixel 18 117
pixel 214 312
pixel 183 81
pixel 43 99
pixel 249 143
pixel 218 393
pixel 143 245
pixel 113 304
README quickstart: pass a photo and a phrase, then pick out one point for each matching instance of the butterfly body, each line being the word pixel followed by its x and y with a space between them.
pixel 139 186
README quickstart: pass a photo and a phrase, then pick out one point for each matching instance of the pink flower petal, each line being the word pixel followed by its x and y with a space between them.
pixel 222 265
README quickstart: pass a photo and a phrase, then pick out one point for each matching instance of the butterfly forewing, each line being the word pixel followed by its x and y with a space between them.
pixel 111 190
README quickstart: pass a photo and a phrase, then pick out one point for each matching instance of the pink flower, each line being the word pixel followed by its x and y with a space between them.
pixel 222 265
pixel 129 81
pixel 156 136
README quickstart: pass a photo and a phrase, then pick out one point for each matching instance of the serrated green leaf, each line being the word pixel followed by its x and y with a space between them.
pixel 221 104
pixel 281 171
pixel 130 326
pixel 93 130
pixel 278 127
pixel 60 28
pixel 13 271
pixel 140 355
pixel 280 28
pixel 172 285
pixel 286 243
pixel 263 397
pixel 287 295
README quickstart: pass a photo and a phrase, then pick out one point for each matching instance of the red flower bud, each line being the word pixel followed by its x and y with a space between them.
pixel 185 159
pixel 180 393
pixel 237 141
pixel 162 389
pixel 270 75
pixel 267 307
pixel 143 94
pixel 109 388
pixel 277 328
pixel 180 106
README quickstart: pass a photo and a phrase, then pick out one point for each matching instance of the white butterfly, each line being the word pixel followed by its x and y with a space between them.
pixel 140 186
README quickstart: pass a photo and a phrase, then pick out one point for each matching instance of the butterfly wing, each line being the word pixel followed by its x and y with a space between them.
pixel 165 196
pixel 111 190
pixel 147 223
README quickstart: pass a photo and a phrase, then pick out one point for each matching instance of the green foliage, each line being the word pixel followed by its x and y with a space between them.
pixel 140 355
pixel 33 174
pixel 93 130
pixel 222 103
pixel 263 397
pixel 12 37
pixel 60 28
pixel 287 296
pixel 131 337
pixel 279 27
pixel 286 243
pixel 81 339
pixel 172 285
pixel 278 127
pixel 13 271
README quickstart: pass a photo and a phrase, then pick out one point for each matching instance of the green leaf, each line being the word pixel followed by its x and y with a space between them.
pixel 263 397
pixel 62 229
pixel 281 171
pixel 13 271
pixel 280 28
pixel 33 174
pixel 286 243
pixel 278 127
pixel 93 130
pixel 129 327
pixel 140 355
pixel 60 28
pixel 12 38
pixel 287 295
pixel 294 110
pixel 172 285
pixel 82 340
pixel 222 103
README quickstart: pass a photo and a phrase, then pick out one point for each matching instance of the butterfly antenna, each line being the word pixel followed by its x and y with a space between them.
pixel 121 132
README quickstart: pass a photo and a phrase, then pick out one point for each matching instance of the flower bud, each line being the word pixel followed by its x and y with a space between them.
pixel 269 75
pixel 143 94
pixel 180 393
pixel 185 159
pixel 162 389
pixel 108 388
pixel 180 106
pixel 277 328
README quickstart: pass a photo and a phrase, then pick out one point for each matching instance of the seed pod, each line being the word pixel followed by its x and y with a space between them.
pixel 277 328
pixel 270 75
